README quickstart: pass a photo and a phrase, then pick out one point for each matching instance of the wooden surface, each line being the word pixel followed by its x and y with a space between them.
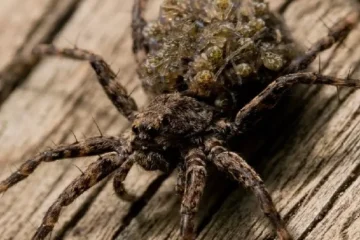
pixel 311 165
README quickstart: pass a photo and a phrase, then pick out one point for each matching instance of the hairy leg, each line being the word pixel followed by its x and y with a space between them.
pixel 87 147
pixel 137 24
pixel 107 78
pixel 195 179
pixel 336 34
pixel 232 164
pixel 181 179
pixel 150 161
pixel 119 178
pixel 257 108
pixel 96 171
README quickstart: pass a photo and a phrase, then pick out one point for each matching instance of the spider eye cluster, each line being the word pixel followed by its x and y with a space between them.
pixel 210 46
pixel 135 129
pixel 144 131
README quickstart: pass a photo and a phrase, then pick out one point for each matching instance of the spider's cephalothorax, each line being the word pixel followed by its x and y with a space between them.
pixel 168 119
pixel 202 57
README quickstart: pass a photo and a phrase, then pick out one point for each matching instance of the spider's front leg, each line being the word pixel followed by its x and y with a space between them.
pixel 107 78
pixel 138 24
pixel 149 161
pixel 87 147
pixel 195 179
pixel 181 179
pixel 264 102
pixel 96 171
pixel 233 165
pixel 336 34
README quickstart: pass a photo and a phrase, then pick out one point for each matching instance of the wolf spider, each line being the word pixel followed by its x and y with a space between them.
pixel 202 58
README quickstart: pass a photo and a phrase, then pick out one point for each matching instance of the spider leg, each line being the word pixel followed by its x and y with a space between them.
pixel 239 170
pixel 137 24
pixel 87 147
pixel 195 179
pixel 107 78
pixel 119 178
pixel 336 34
pixel 150 161
pixel 93 174
pixel 253 112
pixel 181 179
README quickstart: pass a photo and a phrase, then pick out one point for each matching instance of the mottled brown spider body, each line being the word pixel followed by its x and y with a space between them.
pixel 215 68
pixel 170 118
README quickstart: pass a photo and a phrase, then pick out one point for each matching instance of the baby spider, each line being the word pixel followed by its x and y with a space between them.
pixel 214 69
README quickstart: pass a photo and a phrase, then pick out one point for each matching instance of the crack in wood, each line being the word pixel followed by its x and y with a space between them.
pixel 282 8
pixel 15 73
pixel 80 213
pixel 140 203
pixel 349 221
pixel 336 195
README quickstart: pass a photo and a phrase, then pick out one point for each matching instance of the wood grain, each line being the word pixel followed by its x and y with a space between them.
pixel 311 166
pixel 22 30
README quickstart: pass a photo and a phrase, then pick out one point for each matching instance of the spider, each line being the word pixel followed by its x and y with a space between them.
pixel 214 69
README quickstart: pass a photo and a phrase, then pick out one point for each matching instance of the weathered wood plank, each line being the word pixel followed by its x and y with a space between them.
pixel 17 22
pixel 22 30
pixel 312 161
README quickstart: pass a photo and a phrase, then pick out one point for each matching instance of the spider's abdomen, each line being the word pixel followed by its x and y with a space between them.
pixel 210 47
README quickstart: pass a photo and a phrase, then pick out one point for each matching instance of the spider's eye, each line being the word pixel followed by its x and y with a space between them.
pixel 135 129
pixel 151 131
pixel 165 122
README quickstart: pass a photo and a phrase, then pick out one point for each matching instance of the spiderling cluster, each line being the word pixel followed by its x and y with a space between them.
pixel 208 47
